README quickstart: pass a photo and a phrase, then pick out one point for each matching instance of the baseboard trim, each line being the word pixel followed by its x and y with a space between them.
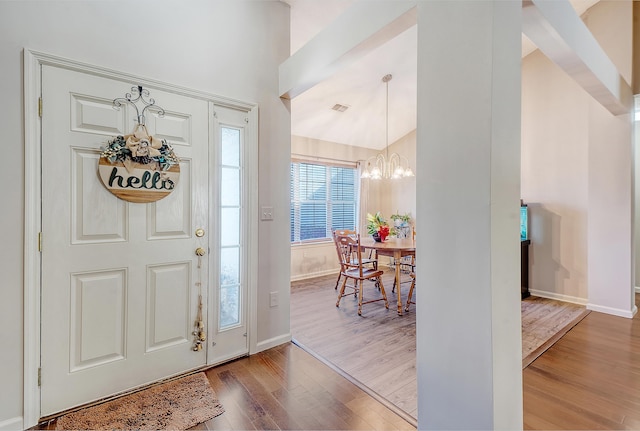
pixel 299 277
pixel 613 311
pixel 272 342
pixel 637 289
pixel 558 296
pixel 12 424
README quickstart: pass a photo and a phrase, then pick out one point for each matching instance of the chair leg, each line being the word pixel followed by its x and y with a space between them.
pixel 360 296
pixel 413 284
pixel 341 294
pixel 338 280
pixel 384 295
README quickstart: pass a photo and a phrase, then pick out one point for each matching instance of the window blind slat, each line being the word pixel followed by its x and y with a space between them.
pixel 323 198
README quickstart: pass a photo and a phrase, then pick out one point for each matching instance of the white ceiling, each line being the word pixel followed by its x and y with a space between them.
pixel 360 86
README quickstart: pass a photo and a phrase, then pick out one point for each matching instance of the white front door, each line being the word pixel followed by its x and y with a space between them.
pixel 119 279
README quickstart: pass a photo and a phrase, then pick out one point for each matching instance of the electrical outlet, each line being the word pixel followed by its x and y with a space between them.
pixel 266 213
pixel 273 299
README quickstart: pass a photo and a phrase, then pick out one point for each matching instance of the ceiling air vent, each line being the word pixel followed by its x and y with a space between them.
pixel 340 108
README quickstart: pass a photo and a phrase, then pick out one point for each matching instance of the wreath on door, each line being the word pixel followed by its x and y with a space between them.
pixel 139 167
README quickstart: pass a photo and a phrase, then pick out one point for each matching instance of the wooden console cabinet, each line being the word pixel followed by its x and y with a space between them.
pixel 524 268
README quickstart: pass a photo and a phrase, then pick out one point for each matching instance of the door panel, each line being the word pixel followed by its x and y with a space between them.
pixel 119 294
pixel 96 115
pixel 98 314
pixel 168 308
pixel 171 217
pixel 96 217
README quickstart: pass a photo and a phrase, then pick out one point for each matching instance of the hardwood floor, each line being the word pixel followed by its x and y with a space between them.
pixel 286 388
pixel 590 379
pixel 376 350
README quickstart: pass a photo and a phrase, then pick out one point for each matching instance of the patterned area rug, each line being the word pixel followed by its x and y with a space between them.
pixel 545 321
pixel 175 405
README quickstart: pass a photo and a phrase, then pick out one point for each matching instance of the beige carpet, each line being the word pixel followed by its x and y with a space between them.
pixel 545 321
pixel 175 405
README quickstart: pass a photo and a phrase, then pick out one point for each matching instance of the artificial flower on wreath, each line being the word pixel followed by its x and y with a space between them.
pixel 140 147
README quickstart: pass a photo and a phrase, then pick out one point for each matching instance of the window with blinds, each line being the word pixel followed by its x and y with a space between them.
pixel 323 199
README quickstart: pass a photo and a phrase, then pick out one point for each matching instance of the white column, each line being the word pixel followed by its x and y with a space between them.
pixel 610 214
pixel 468 251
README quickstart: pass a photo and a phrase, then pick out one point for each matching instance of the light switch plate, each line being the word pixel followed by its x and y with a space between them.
pixel 266 213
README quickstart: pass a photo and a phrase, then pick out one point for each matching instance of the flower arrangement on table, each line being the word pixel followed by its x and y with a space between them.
pixel 401 219
pixel 401 224
pixel 377 226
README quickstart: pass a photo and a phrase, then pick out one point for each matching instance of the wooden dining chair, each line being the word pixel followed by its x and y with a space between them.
pixel 355 270
pixel 410 295
pixel 412 275
pixel 371 259
pixel 407 263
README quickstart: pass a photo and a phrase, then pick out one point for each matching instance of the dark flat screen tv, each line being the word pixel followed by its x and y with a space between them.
pixel 524 222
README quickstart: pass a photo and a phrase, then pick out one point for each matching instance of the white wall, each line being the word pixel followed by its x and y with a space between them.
pixel 554 177
pixel 227 48
pixel 611 237
pixel 557 126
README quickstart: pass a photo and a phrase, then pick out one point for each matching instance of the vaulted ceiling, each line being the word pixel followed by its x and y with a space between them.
pixel 359 87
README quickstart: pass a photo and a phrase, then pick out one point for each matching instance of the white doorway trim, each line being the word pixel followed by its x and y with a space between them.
pixel 33 62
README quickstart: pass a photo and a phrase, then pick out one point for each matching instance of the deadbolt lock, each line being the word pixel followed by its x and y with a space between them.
pixel 199 232
pixel 200 251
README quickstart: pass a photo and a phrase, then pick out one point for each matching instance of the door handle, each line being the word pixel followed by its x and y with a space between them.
pixel 200 251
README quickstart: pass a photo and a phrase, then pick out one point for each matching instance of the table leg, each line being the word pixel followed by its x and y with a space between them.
pixel 397 255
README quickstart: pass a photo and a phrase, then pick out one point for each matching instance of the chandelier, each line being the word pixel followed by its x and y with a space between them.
pixel 386 165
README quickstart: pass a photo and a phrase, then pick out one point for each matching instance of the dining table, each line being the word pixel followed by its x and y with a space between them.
pixel 396 248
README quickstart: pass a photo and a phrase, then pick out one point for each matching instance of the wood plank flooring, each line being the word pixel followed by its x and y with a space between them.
pixel 377 349
pixel 589 379
pixel 286 388
pixel 544 322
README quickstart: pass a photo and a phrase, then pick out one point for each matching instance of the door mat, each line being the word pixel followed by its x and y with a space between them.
pixel 175 405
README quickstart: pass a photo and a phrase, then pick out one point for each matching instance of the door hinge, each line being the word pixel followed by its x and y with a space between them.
pixel 40 107
pixel 39 241
pixel 39 376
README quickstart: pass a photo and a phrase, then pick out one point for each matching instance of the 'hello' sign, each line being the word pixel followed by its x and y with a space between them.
pixel 138 183
pixel 139 167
